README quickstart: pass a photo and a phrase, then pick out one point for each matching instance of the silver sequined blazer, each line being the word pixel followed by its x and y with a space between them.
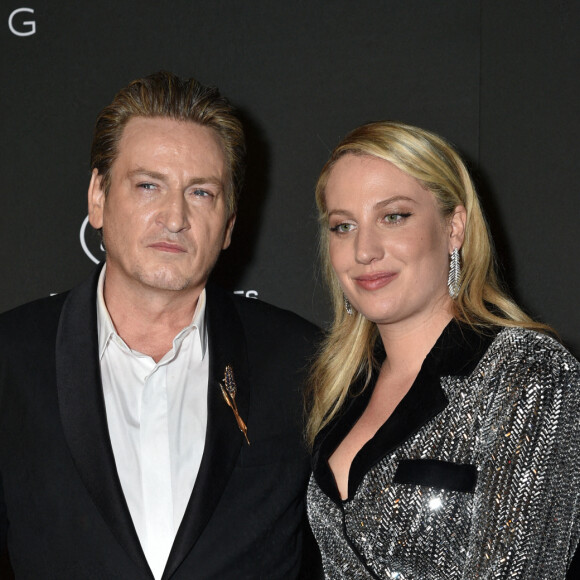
pixel 475 475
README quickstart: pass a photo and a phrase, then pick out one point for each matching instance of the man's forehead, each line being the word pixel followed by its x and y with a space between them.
pixel 163 137
pixel 167 126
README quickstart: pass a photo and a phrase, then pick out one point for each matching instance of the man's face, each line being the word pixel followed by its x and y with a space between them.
pixel 165 218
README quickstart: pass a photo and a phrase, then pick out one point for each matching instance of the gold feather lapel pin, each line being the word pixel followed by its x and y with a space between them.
pixel 228 387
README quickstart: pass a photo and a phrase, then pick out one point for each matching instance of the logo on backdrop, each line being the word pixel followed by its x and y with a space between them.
pixel 247 293
pixel 21 27
pixel 91 242
pixel 93 248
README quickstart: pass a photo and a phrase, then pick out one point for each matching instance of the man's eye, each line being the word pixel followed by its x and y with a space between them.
pixel 147 186
pixel 202 193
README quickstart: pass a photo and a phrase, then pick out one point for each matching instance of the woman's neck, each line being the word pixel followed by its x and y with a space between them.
pixel 408 344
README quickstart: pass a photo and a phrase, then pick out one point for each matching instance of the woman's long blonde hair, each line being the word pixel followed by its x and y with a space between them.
pixel 347 352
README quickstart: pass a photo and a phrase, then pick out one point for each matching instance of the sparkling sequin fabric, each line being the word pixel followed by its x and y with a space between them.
pixel 516 418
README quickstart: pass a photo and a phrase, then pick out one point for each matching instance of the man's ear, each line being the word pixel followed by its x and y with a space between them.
pixel 228 233
pixel 96 200
pixel 457 228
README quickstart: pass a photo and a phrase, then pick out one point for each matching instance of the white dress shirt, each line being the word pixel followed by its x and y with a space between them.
pixel 157 418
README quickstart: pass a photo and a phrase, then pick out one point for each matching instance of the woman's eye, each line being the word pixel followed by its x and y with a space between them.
pixel 342 228
pixel 395 218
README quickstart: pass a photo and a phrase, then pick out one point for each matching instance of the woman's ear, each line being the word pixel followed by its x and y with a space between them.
pixel 457 228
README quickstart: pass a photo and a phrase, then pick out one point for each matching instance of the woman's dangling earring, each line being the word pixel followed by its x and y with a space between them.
pixel 347 305
pixel 453 282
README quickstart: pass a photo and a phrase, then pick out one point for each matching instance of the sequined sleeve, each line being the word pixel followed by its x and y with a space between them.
pixel 525 512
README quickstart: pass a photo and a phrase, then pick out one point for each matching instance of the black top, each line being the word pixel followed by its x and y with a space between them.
pixel 456 352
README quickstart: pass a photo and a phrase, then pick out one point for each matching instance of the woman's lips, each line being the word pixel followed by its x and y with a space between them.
pixel 375 281
pixel 167 247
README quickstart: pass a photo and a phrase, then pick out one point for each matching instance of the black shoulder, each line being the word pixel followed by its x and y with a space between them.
pixel 270 319
pixel 272 315
pixel 32 321
pixel 270 325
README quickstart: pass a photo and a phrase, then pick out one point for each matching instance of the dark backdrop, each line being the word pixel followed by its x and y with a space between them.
pixel 499 79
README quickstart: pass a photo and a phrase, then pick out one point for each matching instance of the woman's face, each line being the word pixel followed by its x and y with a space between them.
pixel 389 244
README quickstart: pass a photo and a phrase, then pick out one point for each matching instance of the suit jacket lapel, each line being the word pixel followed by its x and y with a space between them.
pixel 224 440
pixel 456 353
pixel 83 414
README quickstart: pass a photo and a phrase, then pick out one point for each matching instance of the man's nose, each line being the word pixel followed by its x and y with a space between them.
pixel 173 213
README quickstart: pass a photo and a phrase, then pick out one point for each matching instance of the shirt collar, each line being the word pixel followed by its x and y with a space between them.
pixel 106 328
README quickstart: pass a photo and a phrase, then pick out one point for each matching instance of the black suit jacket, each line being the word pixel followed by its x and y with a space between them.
pixel 62 510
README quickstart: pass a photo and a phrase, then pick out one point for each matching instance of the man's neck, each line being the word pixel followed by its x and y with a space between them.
pixel 148 319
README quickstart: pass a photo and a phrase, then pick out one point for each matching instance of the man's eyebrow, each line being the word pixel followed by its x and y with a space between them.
pixel 162 177
pixel 200 180
pixel 147 173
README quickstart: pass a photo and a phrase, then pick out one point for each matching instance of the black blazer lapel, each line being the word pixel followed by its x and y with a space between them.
pixel 83 414
pixel 456 353
pixel 224 440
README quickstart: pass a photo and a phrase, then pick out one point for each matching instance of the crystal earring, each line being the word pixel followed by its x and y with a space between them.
pixel 347 305
pixel 453 282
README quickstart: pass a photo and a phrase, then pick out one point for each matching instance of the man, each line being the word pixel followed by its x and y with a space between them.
pixel 150 424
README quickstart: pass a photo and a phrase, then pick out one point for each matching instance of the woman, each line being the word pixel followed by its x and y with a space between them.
pixel 444 421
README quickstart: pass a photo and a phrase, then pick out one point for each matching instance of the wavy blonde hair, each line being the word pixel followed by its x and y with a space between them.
pixel 347 352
